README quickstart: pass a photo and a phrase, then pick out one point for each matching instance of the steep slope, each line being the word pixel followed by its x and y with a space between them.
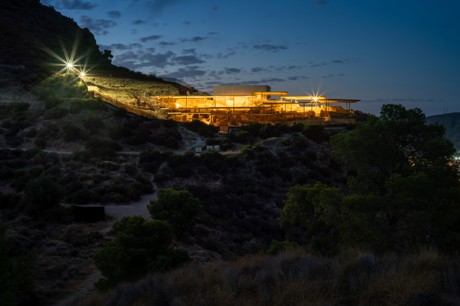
pixel 34 38
pixel 451 123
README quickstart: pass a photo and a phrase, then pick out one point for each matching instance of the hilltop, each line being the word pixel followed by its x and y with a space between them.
pixel 35 38
pixel 451 123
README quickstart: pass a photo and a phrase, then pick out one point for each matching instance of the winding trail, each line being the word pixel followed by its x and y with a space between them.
pixel 138 208
pixel 117 212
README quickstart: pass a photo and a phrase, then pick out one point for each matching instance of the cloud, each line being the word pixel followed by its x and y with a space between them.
pixel 297 78
pixel 122 47
pixel 159 5
pixel 270 47
pixel 226 54
pixel 258 69
pixel 151 37
pixel 232 70
pixel 73 5
pixel 264 81
pixel 187 60
pixel 186 72
pixel 138 22
pixel 166 43
pixel 345 61
pixel 142 59
pixel 114 14
pixel 189 51
pixel 272 80
pixel 195 39
pixel 97 26
pixel 273 68
pixel 316 65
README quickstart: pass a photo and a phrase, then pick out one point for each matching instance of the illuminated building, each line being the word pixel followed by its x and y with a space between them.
pixel 239 105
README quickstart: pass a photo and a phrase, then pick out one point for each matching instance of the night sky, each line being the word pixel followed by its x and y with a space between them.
pixel 380 51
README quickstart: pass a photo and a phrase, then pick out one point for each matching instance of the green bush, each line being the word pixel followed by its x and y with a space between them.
pixel 102 148
pixel 93 124
pixel 316 133
pixel 139 247
pixel 178 207
pixel 151 160
pixel 42 194
pixel 71 133
pixel 56 113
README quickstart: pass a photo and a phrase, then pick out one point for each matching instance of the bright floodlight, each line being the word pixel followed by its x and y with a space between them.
pixel 82 74
pixel 69 65
pixel 315 99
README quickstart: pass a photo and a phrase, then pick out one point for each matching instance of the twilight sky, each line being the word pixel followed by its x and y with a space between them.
pixel 380 51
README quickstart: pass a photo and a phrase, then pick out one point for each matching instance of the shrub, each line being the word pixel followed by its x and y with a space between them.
pixel 202 128
pixel 151 160
pixel 82 196
pixel 102 148
pixel 93 124
pixel 139 247
pixel 215 162
pixel 178 207
pixel 94 104
pixel 71 133
pixel 316 133
pixel 51 101
pixel 56 113
pixel 16 281
pixel 42 194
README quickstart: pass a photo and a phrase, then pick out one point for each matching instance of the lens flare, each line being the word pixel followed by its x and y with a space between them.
pixel 70 59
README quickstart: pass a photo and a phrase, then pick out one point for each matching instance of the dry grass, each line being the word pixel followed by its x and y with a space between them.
pixel 295 278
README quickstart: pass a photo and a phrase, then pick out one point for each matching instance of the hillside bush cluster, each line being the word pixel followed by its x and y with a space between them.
pixel 402 192
pixel 139 247
pixel 296 278
pixel 16 273
pixel 14 119
pixel 179 208
pixel 250 186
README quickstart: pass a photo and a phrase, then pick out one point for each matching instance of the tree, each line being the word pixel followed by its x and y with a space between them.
pixel 139 247
pixel 107 56
pixel 402 191
pixel 316 210
pixel 397 142
pixel 401 163
pixel 178 207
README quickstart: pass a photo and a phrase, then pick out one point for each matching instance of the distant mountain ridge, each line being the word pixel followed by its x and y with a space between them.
pixel 451 122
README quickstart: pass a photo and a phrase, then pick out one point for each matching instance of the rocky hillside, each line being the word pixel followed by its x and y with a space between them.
pixel 35 36
pixel 98 154
pixel 451 123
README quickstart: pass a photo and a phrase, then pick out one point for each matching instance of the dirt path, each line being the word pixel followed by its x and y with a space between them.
pixel 117 212
pixel 138 208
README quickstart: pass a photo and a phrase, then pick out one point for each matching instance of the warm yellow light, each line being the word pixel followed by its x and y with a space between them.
pixel 315 99
pixel 82 74
pixel 177 105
